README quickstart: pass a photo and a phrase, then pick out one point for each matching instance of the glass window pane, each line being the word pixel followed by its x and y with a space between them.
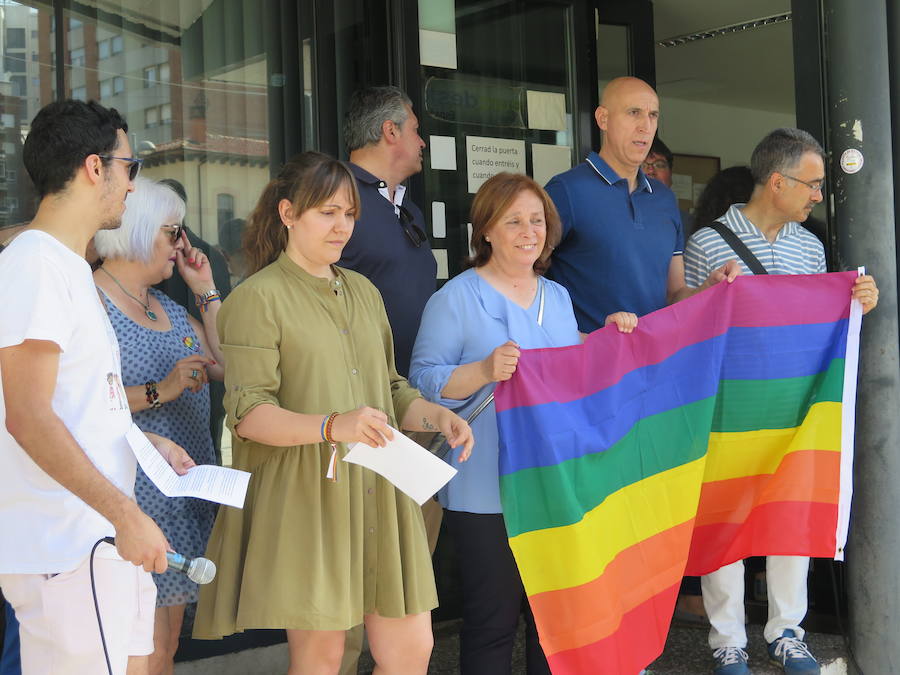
pixel 14 62
pixel 613 52
pixel 27 59
pixel 225 206
pixel 196 107
pixel 19 84
pixel 149 76
pixel 498 87
pixel 15 38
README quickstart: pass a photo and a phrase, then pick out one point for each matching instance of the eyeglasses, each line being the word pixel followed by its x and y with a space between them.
pixel 659 164
pixel 135 164
pixel 413 232
pixel 815 186
pixel 174 231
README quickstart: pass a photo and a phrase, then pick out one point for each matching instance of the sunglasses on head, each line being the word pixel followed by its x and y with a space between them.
pixel 174 231
pixel 413 232
pixel 134 167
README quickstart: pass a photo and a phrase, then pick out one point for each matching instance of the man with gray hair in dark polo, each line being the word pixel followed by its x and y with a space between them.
pixel 389 245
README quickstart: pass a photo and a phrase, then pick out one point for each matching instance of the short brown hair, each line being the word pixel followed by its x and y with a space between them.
pixel 493 199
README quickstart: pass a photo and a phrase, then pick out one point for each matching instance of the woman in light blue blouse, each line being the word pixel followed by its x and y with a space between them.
pixel 469 339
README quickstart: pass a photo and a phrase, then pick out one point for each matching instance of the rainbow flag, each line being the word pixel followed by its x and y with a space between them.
pixel 721 429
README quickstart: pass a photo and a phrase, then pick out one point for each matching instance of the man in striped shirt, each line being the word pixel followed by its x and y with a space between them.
pixel 789 170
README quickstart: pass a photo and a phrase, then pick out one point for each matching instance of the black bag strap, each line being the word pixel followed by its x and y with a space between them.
pixel 738 247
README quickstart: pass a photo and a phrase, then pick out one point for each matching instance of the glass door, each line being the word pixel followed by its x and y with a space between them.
pixel 496 90
pixel 512 85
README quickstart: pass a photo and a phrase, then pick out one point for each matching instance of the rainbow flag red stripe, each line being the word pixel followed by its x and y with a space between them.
pixel 721 429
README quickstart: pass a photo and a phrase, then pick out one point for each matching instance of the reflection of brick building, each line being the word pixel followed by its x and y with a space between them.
pixel 16 191
pixel 20 73
pixel 19 100
pixel 223 176
pixel 210 131
pixel 143 80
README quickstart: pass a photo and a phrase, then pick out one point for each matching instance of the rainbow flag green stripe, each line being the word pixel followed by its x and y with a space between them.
pixel 738 409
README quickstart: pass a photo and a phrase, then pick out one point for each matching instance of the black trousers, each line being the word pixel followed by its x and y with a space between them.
pixel 493 598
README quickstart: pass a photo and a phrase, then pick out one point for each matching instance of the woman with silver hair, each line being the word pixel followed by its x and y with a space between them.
pixel 167 357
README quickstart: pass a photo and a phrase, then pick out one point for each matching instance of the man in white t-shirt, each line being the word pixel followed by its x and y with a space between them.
pixel 66 470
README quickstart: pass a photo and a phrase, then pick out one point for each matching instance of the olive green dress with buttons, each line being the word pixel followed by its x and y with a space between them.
pixel 306 552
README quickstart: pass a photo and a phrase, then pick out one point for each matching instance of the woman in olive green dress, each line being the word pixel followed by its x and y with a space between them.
pixel 320 545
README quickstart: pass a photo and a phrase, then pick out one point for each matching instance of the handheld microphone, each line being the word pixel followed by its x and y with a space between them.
pixel 198 570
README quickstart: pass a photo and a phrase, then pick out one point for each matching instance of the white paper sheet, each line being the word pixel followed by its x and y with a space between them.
pixel 406 465
pixel 546 110
pixel 486 157
pixel 437 49
pixel 683 186
pixel 213 483
pixel 442 150
pixel 440 257
pixel 439 220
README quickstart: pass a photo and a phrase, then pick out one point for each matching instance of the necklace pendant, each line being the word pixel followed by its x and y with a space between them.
pixel 150 314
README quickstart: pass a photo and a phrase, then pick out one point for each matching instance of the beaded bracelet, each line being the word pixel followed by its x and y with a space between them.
pixel 152 394
pixel 331 473
pixel 326 428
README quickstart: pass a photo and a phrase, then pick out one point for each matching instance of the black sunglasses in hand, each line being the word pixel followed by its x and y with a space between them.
pixel 414 233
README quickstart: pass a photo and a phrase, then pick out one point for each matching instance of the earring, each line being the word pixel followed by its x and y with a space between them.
pixel 487 239
pixel 290 227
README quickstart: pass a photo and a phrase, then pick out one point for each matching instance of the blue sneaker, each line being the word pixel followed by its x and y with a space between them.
pixel 730 661
pixel 792 655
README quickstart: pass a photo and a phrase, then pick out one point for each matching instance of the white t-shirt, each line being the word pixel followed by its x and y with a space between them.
pixel 47 293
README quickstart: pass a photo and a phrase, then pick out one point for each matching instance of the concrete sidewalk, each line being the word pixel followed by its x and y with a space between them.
pixel 686 653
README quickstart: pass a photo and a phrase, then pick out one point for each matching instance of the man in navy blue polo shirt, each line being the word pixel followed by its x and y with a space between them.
pixel 389 245
pixel 622 241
